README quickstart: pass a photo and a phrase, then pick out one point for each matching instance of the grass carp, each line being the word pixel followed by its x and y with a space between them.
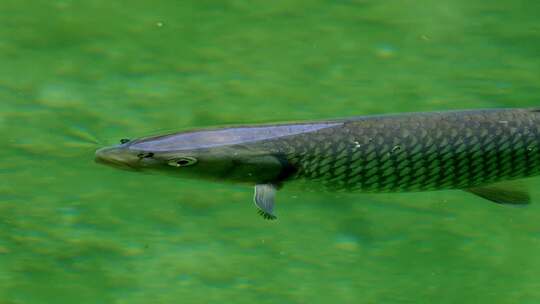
pixel 473 150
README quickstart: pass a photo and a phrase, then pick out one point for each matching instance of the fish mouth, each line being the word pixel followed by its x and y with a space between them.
pixel 113 157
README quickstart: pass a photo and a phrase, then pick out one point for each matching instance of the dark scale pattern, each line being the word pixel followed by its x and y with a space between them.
pixel 416 152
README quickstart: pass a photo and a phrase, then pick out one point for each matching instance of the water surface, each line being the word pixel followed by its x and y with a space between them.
pixel 77 75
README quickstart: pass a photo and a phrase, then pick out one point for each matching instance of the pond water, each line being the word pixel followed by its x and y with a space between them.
pixel 79 75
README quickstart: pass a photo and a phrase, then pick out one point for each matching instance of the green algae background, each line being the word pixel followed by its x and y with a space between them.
pixel 78 75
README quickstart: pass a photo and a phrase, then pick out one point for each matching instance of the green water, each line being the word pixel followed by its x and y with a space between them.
pixel 77 75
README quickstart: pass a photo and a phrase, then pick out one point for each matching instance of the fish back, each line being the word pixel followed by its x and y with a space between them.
pixel 418 151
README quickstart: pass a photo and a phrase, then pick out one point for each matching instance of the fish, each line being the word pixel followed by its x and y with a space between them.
pixel 486 152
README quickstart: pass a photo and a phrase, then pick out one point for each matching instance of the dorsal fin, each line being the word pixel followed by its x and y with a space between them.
pixel 513 193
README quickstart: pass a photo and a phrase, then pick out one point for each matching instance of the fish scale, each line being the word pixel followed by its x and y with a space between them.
pixel 418 151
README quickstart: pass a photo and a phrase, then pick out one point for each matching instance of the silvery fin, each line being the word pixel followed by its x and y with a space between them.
pixel 513 193
pixel 264 200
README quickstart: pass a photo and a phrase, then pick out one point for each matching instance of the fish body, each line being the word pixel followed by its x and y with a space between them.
pixel 467 150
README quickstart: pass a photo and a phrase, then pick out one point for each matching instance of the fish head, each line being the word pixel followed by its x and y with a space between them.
pixel 119 156
pixel 204 154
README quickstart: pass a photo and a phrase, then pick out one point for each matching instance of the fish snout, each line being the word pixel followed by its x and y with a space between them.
pixel 116 157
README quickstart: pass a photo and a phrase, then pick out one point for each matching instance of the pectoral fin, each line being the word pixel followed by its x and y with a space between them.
pixel 514 193
pixel 264 200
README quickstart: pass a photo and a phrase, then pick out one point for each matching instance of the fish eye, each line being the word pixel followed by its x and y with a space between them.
pixel 182 162
pixel 124 140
